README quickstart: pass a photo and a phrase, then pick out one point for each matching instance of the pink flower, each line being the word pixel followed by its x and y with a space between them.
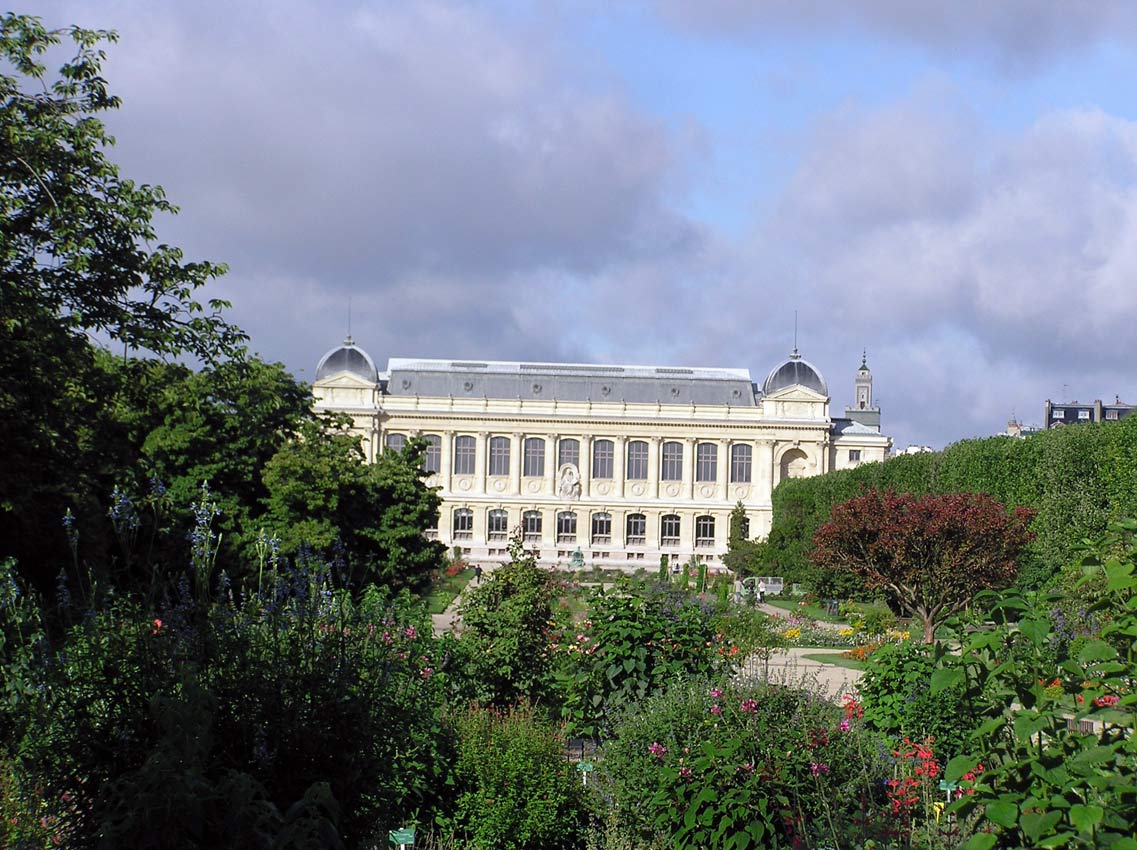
pixel 716 709
pixel 427 672
pixel 410 632
pixel 716 693
pixel 817 768
pixel 657 749
pixel 749 706
pixel 685 773
pixel 844 725
pixel 157 626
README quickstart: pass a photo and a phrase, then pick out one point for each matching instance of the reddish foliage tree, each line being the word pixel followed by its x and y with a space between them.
pixel 931 554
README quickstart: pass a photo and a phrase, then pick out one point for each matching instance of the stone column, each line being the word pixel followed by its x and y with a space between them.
pixel 550 464
pixel 516 441
pixel 722 471
pixel 445 460
pixel 481 459
pixel 618 468
pixel 688 484
pixel 653 449
pixel 585 467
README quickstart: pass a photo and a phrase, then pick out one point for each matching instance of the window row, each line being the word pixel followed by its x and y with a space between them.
pixel 568 452
pixel 600 527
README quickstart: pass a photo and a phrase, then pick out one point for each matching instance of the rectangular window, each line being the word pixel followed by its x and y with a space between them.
pixel 432 461
pixel 395 442
pixel 740 462
pixel 603 454
pixel 637 460
pixel 464 449
pixel 705 531
pixel 671 464
pixel 637 530
pixel 854 455
pixel 499 456
pixel 1083 414
pixel 1058 413
pixel 1111 415
pixel 531 523
pixel 669 530
pixel 498 525
pixel 463 527
pixel 568 451
pixel 566 527
pixel 601 528
pixel 534 457
pixel 706 462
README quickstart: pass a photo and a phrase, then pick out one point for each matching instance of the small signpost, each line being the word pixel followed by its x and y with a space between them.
pixel 585 768
pixel 402 837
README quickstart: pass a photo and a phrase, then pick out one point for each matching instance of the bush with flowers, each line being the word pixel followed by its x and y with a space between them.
pixel 713 765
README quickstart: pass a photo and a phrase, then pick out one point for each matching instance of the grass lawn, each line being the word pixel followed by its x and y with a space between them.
pixel 811 611
pixel 443 591
pixel 835 659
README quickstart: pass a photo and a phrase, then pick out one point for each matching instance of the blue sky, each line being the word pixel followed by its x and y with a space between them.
pixel 952 187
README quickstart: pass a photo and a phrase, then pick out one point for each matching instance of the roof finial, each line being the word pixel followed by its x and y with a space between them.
pixel 349 340
pixel 794 354
pixel 864 359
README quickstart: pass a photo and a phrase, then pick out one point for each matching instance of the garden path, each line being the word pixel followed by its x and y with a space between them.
pixel 790 666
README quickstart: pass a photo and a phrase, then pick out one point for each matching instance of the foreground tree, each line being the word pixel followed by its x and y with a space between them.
pixel 929 554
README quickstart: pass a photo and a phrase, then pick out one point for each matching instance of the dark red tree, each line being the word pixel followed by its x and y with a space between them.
pixel 930 554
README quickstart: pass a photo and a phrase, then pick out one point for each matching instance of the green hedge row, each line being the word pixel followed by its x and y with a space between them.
pixel 1078 478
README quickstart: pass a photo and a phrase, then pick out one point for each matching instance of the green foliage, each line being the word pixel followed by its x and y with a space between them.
pixel 506 623
pixel 704 765
pixel 1078 479
pixel 897 701
pixel 639 639
pixel 292 718
pixel 515 788
pixel 1055 740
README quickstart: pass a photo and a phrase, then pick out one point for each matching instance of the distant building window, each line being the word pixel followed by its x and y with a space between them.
pixel 497 524
pixel 740 461
pixel 603 453
pixel 464 449
pixel 566 527
pixel 463 526
pixel 669 530
pixel 636 530
pixel 637 460
pixel 432 461
pixel 854 455
pixel 569 452
pixel 1083 414
pixel 395 442
pixel 671 466
pixel 1058 413
pixel 706 462
pixel 1111 414
pixel 601 528
pixel 534 457
pixel 705 531
pixel 499 456
pixel 531 523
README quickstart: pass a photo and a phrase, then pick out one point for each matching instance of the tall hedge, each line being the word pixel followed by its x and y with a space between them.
pixel 1078 478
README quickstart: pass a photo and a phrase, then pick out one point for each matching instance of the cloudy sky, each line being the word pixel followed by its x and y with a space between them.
pixel 951 186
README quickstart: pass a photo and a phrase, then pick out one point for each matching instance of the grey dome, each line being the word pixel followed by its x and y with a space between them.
pixel 795 371
pixel 347 358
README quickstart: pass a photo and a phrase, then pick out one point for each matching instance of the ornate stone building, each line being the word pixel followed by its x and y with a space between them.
pixel 624 463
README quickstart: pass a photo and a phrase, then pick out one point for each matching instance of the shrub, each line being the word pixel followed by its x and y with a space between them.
pixel 515 788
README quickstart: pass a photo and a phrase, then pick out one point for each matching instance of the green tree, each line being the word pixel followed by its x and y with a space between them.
pixel 742 553
pixel 321 494
pixel 930 555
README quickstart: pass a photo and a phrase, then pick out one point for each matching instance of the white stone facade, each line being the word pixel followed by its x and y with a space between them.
pixel 623 463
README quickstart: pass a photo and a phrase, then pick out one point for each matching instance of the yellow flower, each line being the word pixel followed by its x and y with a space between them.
pixel 847 632
pixel 793 633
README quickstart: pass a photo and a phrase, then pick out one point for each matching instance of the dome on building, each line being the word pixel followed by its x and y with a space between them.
pixel 793 371
pixel 347 358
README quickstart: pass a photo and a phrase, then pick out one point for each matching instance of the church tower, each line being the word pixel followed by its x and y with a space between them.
pixel 863 410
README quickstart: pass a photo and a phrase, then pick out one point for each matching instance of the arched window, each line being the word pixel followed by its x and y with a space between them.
pixel 671 464
pixel 706 462
pixel 637 460
pixel 432 460
pixel 794 464
pixel 497 524
pixel 464 450
pixel 499 456
pixel 395 442
pixel 704 531
pixel 740 461
pixel 636 530
pixel 566 527
pixel 603 453
pixel 534 457
pixel 463 525
pixel 531 525
pixel 601 528
pixel 669 530
pixel 568 451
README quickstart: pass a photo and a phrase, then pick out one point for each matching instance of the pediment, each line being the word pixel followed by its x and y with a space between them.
pixel 346 380
pixel 796 393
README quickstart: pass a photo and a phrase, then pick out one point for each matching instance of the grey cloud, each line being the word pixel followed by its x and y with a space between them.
pixel 1015 34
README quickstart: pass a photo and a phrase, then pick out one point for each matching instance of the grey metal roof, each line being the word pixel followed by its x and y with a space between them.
pixel 850 427
pixel 570 382
pixel 347 358
pixel 795 371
